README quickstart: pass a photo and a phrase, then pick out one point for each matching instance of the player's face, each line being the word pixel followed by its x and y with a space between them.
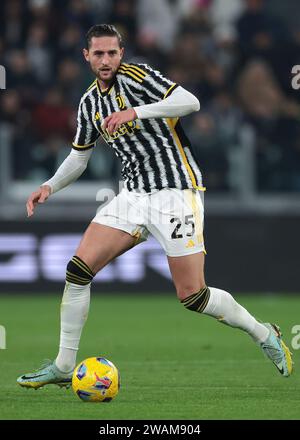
pixel 104 56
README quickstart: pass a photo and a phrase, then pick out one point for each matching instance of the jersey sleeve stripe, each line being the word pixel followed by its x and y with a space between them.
pixel 170 90
pixel 138 74
pixel 83 147
pixel 157 76
pixel 134 66
pixel 133 69
pixel 125 72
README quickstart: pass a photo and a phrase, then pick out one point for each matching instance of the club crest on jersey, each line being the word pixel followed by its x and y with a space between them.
pixel 121 102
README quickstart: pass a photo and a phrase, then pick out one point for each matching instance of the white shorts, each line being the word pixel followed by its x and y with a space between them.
pixel 173 216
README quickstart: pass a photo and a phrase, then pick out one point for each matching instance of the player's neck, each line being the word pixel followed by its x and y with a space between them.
pixel 104 85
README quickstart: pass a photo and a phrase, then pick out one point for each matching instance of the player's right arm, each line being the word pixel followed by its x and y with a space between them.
pixel 75 163
pixel 39 196
pixel 69 171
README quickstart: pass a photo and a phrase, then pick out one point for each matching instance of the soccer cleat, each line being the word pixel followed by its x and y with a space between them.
pixel 276 350
pixel 47 374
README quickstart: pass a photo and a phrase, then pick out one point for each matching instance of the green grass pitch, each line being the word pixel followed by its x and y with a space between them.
pixel 174 364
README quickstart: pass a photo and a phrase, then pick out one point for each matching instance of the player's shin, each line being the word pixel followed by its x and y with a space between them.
pixel 222 306
pixel 74 311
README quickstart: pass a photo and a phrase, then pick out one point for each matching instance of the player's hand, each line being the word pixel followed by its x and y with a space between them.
pixel 113 122
pixel 39 196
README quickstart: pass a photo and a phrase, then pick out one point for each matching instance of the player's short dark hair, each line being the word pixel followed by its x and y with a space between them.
pixel 103 30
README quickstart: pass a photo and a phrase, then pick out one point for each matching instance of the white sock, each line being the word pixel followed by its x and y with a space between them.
pixel 222 305
pixel 73 314
pixel 66 359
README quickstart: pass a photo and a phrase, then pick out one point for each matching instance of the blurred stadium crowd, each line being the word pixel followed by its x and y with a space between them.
pixel 236 56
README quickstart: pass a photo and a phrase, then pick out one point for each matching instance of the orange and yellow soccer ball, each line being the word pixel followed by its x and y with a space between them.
pixel 96 379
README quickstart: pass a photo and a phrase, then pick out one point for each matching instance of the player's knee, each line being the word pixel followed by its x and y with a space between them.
pixel 187 289
pixel 78 272
pixel 197 302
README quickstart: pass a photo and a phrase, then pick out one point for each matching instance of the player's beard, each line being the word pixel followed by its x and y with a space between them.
pixel 106 74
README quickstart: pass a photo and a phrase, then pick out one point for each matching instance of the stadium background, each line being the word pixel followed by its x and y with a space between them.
pixel 237 57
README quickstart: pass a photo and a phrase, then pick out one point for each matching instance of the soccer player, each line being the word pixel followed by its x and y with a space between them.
pixel 136 110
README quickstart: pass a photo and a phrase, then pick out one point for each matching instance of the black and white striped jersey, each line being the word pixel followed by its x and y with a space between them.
pixel 155 153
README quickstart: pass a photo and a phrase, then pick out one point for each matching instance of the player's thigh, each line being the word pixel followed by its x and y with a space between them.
pixel 187 273
pixel 177 223
pixel 100 244
pixel 176 220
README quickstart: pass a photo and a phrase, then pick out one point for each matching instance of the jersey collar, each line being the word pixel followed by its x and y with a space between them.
pixel 107 91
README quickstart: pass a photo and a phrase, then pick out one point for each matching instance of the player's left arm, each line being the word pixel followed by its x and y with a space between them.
pixel 179 103
pixel 168 100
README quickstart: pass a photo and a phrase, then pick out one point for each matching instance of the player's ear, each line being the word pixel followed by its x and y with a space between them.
pixel 122 52
pixel 86 54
